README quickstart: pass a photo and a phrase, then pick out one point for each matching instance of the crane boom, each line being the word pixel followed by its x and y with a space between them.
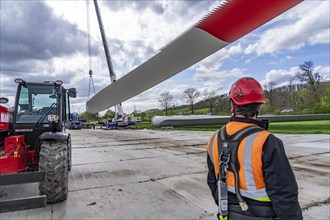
pixel 105 43
pixel 107 55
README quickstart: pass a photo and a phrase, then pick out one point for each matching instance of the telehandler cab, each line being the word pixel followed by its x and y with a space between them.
pixel 34 145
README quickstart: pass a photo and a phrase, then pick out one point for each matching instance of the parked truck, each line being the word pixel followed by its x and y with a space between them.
pixel 73 122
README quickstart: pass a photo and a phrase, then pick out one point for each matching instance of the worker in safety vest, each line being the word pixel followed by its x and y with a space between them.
pixel 251 176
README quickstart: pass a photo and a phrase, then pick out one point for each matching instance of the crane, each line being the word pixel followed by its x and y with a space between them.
pixel 120 116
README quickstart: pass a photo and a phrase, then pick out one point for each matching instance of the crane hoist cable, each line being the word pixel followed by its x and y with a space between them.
pixel 90 72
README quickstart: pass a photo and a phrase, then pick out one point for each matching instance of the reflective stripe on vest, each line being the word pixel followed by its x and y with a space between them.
pixel 210 149
pixel 249 154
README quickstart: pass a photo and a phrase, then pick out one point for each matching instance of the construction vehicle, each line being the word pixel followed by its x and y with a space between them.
pixel 78 122
pixel 5 120
pixel 36 147
pixel 117 123
pixel 73 122
pixel 84 123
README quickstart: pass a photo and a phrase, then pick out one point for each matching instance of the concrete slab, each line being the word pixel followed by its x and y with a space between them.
pixel 159 168
pixel 90 155
pixel 146 200
pixel 193 188
pixel 25 190
pixel 318 212
pixel 146 174
pixel 97 175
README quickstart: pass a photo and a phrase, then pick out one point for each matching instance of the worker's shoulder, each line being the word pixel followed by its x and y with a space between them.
pixel 272 137
pixel 272 143
pixel 265 132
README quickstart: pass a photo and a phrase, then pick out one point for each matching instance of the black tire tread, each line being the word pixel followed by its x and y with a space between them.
pixel 54 160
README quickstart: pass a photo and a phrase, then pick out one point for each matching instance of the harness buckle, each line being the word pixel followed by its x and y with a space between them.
pixel 224 158
pixel 244 206
pixel 224 161
pixel 223 171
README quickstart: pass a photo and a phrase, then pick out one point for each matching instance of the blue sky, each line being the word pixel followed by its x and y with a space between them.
pixel 47 40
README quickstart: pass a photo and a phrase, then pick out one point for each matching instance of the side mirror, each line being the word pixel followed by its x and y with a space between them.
pixel 72 92
pixel 3 100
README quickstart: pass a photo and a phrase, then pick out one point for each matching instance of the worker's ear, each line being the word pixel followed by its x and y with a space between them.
pixel 232 104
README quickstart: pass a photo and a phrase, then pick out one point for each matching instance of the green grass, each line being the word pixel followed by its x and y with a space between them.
pixel 142 125
pixel 201 111
pixel 297 127
pixel 301 127
pixel 199 128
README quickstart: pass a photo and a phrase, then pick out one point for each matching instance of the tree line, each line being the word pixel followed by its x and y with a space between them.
pixel 309 95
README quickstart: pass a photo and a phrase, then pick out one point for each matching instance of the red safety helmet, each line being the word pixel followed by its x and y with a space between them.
pixel 245 91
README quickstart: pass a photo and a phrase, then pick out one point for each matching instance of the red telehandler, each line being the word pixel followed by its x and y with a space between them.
pixel 34 145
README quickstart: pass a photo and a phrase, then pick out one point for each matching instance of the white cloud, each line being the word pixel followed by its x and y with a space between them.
pixel 248 61
pixel 312 28
pixel 213 62
pixel 216 79
pixel 73 11
pixel 288 57
pixel 324 71
pixel 323 37
pixel 281 77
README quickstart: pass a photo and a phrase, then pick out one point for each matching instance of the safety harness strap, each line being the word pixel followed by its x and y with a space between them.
pixel 227 148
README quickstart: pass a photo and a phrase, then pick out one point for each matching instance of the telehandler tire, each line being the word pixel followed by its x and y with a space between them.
pixel 53 159
pixel 69 153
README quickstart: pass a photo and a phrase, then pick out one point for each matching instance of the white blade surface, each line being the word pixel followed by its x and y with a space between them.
pixel 191 47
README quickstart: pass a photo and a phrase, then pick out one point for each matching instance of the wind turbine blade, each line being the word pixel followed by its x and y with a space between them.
pixel 174 58
pixel 230 21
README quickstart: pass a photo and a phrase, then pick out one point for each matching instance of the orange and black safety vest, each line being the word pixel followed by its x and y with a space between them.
pixel 249 154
